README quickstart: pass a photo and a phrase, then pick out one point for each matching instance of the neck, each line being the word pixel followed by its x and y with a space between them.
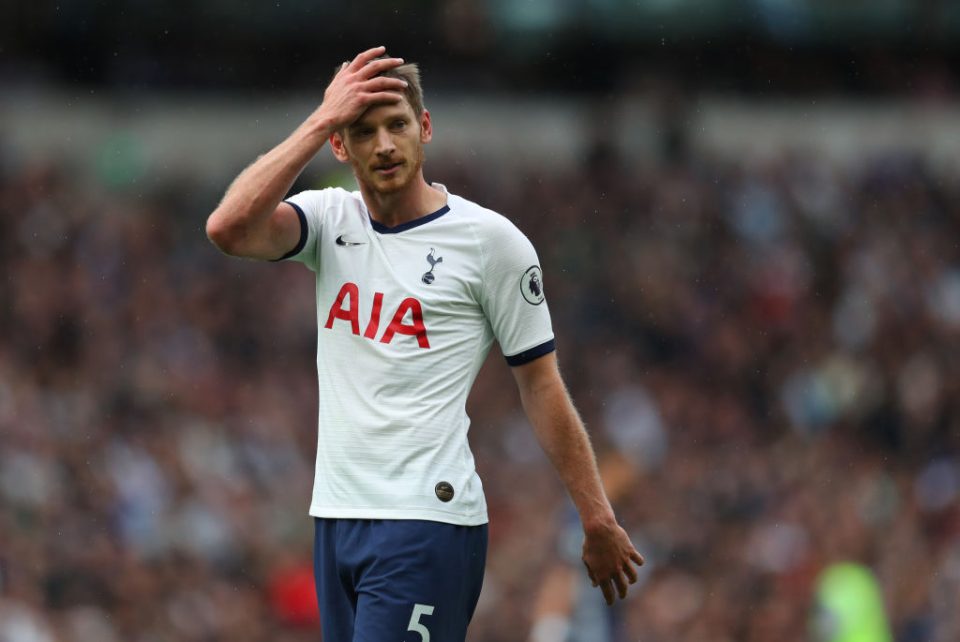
pixel 395 208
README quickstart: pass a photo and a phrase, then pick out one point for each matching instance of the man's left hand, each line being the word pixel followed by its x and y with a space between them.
pixel 610 557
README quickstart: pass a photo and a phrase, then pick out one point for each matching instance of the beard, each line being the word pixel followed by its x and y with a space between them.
pixel 404 177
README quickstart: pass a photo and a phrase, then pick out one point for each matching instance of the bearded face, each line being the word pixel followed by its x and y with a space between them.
pixel 385 146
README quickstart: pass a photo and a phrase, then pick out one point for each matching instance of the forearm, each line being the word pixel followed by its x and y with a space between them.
pixel 254 195
pixel 564 439
pixel 607 551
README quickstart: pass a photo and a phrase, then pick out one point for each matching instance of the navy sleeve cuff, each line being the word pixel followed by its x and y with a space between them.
pixel 303 233
pixel 533 353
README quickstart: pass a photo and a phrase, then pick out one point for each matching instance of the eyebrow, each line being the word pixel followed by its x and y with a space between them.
pixel 390 117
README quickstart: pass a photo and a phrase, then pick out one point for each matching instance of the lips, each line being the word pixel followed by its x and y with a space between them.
pixel 387 168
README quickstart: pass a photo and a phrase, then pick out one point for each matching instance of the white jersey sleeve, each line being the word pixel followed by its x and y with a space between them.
pixel 310 206
pixel 513 296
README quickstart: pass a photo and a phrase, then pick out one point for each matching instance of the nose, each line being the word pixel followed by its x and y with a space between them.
pixel 384 142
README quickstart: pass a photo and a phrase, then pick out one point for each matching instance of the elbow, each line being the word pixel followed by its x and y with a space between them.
pixel 222 234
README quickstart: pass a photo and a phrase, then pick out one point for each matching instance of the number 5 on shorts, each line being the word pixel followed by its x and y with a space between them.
pixel 415 626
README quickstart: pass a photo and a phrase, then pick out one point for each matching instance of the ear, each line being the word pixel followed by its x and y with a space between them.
pixel 426 128
pixel 339 148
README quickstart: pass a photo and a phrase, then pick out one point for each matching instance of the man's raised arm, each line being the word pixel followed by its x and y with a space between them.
pixel 251 221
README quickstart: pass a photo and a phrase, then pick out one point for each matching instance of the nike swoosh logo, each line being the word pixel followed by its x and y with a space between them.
pixel 341 241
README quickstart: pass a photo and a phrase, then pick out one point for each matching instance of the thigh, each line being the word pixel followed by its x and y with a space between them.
pixel 335 596
pixel 423 583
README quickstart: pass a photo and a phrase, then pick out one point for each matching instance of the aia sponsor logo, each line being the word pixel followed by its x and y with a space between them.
pixel 407 320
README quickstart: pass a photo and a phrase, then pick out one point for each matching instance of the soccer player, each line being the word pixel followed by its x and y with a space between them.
pixel 413 285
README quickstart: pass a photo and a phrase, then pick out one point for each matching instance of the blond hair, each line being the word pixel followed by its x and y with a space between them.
pixel 413 91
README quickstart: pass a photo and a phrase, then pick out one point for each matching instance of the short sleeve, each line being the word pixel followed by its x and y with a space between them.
pixel 513 296
pixel 310 206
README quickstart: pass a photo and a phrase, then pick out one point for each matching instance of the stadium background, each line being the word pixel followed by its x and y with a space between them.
pixel 748 216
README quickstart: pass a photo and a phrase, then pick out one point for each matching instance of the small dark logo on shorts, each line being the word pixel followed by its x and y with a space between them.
pixel 531 285
pixel 444 491
pixel 428 275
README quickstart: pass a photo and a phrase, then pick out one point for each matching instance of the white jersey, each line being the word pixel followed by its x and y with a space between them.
pixel 406 316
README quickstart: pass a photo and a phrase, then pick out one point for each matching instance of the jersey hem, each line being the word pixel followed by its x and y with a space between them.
pixel 474 519
pixel 532 353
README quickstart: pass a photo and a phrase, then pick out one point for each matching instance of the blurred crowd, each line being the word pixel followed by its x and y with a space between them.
pixel 767 355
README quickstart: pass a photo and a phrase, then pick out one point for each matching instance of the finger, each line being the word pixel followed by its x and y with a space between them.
pixel 382 83
pixel 607 588
pixel 366 56
pixel 593 579
pixel 382 98
pixel 636 557
pixel 377 67
pixel 621 585
pixel 630 572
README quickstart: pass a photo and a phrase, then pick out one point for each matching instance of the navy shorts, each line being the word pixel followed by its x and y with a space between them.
pixel 397 580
